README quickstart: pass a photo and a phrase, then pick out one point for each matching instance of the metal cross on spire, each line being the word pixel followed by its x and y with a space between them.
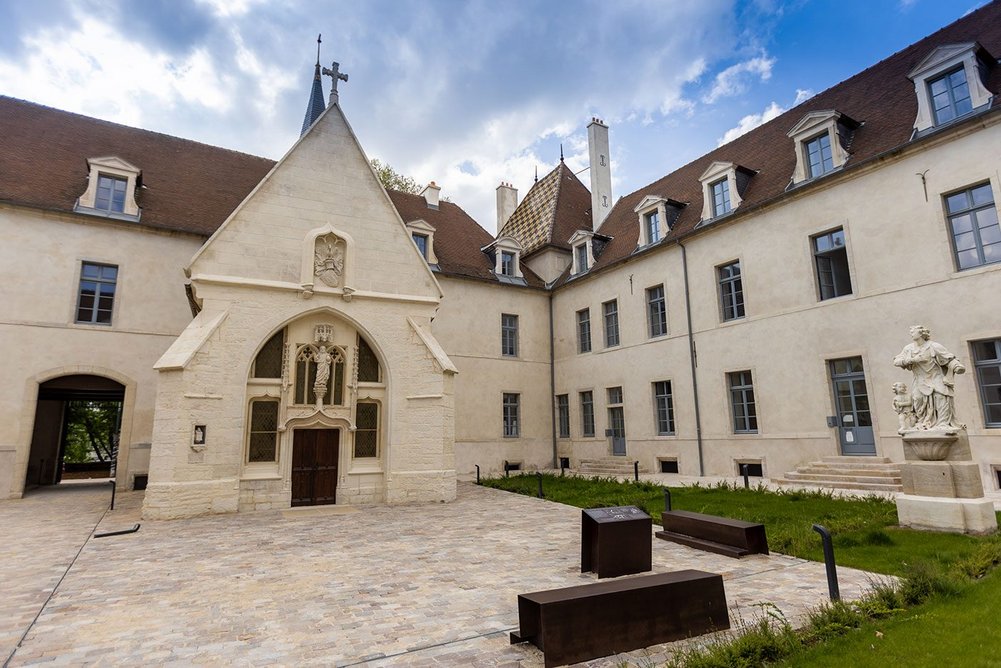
pixel 334 72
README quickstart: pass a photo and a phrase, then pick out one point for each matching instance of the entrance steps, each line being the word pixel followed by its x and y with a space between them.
pixel 875 474
pixel 613 466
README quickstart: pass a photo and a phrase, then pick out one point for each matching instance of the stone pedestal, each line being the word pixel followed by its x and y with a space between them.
pixel 942 486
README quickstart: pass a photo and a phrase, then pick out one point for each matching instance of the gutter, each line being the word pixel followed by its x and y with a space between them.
pixel 693 357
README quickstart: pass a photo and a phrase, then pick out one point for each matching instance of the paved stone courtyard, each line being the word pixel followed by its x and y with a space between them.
pixel 423 585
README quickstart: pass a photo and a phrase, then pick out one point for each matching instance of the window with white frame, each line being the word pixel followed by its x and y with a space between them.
pixel 96 295
pixel 610 311
pixel 422 232
pixel 582 255
pixel 721 197
pixel 509 335
pixel 563 415
pixel 973 223
pixel 584 330
pixel 663 402
pixel 987 361
pixel 656 310
pixel 111 189
pixel 822 139
pixel 507 263
pixel 949 84
pixel 731 291
pixel 651 222
pixel 587 413
pixel 512 419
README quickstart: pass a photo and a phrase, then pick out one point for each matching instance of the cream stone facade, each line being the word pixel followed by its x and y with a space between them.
pixel 340 343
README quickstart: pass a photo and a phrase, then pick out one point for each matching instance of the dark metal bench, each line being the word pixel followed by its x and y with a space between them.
pixel 722 535
pixel 600 619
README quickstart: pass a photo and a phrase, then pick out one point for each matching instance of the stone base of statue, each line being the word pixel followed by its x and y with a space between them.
pixel 943 490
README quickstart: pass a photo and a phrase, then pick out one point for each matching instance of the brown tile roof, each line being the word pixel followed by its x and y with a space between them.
pixel 554 208
pixel 457 238
pixel 188 186
pixel 881 97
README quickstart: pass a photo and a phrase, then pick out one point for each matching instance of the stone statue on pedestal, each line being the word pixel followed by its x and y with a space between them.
pixel 933 387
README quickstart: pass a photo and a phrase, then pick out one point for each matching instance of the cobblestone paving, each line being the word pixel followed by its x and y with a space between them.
pixel 423 585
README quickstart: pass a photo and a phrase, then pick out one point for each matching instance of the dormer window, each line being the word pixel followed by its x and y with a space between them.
pixel 950 96
pixel 949 84
pixel 821 140
pixel 721 197
pixel 506 255
pixel 656 217
pixel 422 232
pixel 111 189
pixel 587 247
pixel 723 185
pixel 582 258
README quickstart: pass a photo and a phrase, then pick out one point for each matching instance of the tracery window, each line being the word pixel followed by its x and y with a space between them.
pixel 317 367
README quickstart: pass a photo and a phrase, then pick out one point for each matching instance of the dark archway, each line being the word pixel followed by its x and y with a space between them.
pixel 79 413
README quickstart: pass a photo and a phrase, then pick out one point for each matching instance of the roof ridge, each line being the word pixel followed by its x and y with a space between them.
pixel 102 121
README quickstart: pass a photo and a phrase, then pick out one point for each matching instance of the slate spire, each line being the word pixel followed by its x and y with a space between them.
pixel 316 105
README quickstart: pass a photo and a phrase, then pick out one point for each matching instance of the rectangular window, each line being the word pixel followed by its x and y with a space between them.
pixel 731 291
pixel 668 465
pixel 512 425
pixel 818 155
pixel 721 197
pixel 422 243
pixel 664 407
pixel 509 335
pixel 652 221
pixel 987 359
pixel 581 252
pixel 563 414
pixel 367 432
pixel 587 413
pixel 507 263
pixel 973 222
pixel 616 419
pixel 656 311
pixel 584 330
pixel 950 96
pixel 263 431
pixel 831 260
pixel 110 194
pixel 745 417
pixel 97 293
pixel 611 313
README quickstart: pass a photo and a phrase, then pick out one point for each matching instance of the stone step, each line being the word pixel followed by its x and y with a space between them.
pixel 835 472
pixel 876 479
pixel 834 484
pixel 849 466
pixel 857 459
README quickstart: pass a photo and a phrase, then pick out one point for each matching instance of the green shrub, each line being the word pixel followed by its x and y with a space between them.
pixel 831 620
pixel 924 579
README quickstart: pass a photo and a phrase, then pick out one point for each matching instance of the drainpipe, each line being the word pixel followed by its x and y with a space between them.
pixel 552 381
pixel 692 356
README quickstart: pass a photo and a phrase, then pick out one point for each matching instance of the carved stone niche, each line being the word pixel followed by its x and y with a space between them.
pixel 328 259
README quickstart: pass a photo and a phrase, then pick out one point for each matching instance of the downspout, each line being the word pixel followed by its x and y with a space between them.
pixel 552 380
pixel 692 356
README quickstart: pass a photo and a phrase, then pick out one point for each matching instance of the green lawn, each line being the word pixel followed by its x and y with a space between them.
pixel 864 530
pixel 960 630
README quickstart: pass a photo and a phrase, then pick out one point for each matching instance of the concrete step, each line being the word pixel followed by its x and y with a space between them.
pixel 850 466
pixel 833 484
pixel 833 471
pixel 875 479
pixel 858 459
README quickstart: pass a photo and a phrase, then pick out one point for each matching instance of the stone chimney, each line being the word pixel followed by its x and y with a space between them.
pixel 430 193
pixel 507 202
pixel 601 171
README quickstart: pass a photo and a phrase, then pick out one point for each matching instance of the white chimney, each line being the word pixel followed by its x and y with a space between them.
pixel 430 193
pixel 601 171
pixel 507 202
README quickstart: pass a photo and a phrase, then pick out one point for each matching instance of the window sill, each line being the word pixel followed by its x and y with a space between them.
pixel 839 298
pixel 92 325
pixel 973 271
pixel 268 474
pixel 366 468
pixel 733 321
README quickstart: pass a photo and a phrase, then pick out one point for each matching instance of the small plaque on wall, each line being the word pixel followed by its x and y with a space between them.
pixel 199 435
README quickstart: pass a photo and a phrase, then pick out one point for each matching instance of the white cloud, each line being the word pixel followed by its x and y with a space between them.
pixel 734 79
pixel 751 121
pixel 802 95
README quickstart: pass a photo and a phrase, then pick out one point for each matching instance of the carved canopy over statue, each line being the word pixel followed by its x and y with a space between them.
pixel 930 405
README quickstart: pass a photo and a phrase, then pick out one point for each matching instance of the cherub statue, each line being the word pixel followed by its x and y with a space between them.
pixel 904 405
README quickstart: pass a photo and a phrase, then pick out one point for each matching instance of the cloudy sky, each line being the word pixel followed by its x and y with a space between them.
pixel 464 93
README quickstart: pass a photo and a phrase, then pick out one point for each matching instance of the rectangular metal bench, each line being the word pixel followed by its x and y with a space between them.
pixel 722 535
pixel 589 621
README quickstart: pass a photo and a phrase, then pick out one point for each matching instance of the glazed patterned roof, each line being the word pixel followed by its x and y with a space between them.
pixel 555 207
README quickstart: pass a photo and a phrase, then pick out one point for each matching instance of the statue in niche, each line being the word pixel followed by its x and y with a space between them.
pixel 932 390
pixel 328 259
pixel 323 360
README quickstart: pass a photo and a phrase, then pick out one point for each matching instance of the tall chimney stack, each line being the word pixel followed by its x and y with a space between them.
pixel 601 171
pixel 430 193
pixel 507 202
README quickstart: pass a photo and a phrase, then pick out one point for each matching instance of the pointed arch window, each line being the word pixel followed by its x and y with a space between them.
pixel 268 363
pixel 369 370
pixel 319 368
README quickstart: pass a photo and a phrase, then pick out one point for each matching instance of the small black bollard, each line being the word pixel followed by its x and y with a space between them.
pixel 636 471
pixel 477 474
pixel 563 469
pixel 506 475
pixel 743 470
pixel 667 499
pixel 832 570
pixel 113 487
pixel 538 477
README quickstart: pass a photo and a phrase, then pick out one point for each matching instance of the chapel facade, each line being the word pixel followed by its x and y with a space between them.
pixel 290 333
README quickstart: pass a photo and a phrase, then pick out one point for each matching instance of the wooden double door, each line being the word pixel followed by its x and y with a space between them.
pixel 314 466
